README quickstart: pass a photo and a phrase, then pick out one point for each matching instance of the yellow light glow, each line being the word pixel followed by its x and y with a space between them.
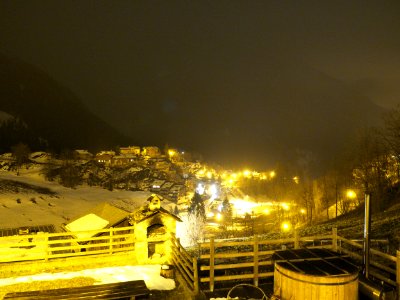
pixel 201 172
pixel 285 206
pixel 266 211
pixel 351 194
pixel 171 152
pixel 246 173
pixel 219 217
pixel 296 179
pixel 210 214
pixel 303 211
pixel 242 207
pixel 209 175
pixel 285 226
pixel 272 174
pixel 234 175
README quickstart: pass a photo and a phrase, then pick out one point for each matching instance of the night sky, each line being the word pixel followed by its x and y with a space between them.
pixel 211 75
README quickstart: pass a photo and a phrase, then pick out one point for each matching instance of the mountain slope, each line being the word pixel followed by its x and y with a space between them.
pixel 53 114
pixel 257 109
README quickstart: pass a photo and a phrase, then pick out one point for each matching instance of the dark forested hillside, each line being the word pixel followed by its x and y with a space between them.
pixel 46 114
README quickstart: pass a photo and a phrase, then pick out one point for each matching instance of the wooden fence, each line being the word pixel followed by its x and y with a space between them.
pixel 46 246
pixel 219 261
pixel 222 261
pixel 186 264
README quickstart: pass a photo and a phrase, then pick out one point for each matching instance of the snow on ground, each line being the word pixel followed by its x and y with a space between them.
pixel 149 273
pixel 32 208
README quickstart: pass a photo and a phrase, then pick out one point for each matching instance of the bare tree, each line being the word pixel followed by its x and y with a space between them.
pixel 20 153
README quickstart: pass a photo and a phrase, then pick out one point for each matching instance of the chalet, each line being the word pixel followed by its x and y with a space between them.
pixel 134 150
pixel 153 225
pixel 123 159
pixel 105 157
pixel 156 185
pixel 151 151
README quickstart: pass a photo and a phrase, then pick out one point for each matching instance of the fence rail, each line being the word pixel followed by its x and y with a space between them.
pixel 219 261
pixel 186 264
pixel 45 246
pixel 251 260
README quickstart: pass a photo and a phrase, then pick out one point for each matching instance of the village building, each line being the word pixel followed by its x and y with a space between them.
pixel 105 157
pixel 153 226
pixel 151 151
pixel 135 150
pixel 123 160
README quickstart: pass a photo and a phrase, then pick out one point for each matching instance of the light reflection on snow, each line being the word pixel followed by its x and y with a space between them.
pixel 149 273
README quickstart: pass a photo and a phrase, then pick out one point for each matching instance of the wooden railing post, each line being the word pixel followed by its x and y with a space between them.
pixel 296 239
pixel 195 276
pixel 334 239
pixel 46 247
pixel 398 273
pixel 212 253
pixel 111 240
pixel 256 260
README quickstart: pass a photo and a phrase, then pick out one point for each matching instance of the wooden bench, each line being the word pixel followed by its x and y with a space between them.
pixel 121 290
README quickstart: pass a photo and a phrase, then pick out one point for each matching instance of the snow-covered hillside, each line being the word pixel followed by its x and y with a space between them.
pixel 27 200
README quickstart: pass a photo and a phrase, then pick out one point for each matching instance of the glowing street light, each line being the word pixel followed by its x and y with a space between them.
pixel 351 194
pixel 272 174
pixel 285 226
pixel 171 152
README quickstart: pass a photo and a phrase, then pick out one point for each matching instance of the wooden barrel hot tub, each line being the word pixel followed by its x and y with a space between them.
pixel 314 274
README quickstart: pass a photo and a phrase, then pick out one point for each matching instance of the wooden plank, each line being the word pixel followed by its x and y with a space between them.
pixel 227 244
pixel 237 254
pixel 357 245
pixel 188 271
pixel 255 261
pixel 236 266
pixel 212 253
pixel 182 252
pixel 334 239
pixel 237 277
pixel 196 276
pixel 105 291
pixel 296 239
pixel 384 255
pixel 183 273
pixel 383 278
pixel 398 274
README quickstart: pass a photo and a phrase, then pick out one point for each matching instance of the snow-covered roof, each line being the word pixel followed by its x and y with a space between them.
pixel 87 223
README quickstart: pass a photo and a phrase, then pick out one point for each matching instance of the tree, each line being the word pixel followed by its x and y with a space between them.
pixel 371 165
pixel 70 175
pixel 196 219
pixel 197 207
pixel 20 153
pixel 226 211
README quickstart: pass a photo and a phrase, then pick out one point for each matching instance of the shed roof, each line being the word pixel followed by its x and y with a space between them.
pixel 113 215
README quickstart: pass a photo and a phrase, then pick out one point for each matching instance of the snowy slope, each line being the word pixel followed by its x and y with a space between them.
pixel 55 204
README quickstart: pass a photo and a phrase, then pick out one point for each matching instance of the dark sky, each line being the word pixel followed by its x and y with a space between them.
pixel 140 65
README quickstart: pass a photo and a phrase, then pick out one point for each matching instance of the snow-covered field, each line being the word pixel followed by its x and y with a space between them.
pixel 29 204
pixel 28 207
pixel 149 273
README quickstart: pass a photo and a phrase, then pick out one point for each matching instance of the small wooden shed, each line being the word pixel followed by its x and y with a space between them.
pixel 153 226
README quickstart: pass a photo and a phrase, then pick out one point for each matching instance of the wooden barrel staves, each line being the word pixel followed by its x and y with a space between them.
pixel 167 271
pixel 326 278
